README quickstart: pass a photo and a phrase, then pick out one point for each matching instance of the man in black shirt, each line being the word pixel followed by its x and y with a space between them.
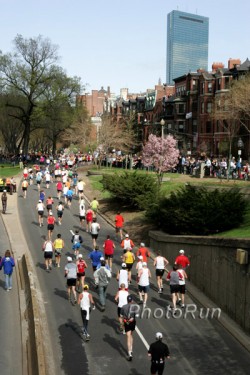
pixel 158 351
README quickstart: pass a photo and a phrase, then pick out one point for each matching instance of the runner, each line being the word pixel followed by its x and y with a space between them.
pixel 144 252
pixel 109 247
pixel 25 185
pixel 69 197
pixel 174 277
pixel 158 352
pixel 80 188
pixel 38 179
pixel 82 212
pixel 76 241
pixel 51 223
pixel 95 257
pixel 49 204
pixel 60 208
pixel 122 276
pixel 58 246
pixel 4 199
pixel 128 314
pixel 160 263
pixel 129 259
pixel 139 265
pixel 143 283
pixel 85 300
pixel 182 260
pixel 81 266
pixel 94 230
pixel 48 253
pixel 182 284
pixel 121 300
pixel 48 179
pixel 89 219
pixel 40 209
pixel 59 188
pixel 102 277
pixel 94 205
pixel 42 195
pixel 119 221
pixel 127 242
pixel 71 275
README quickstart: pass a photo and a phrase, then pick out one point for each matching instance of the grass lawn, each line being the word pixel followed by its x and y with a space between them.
pixel 174 181
pixel 8 171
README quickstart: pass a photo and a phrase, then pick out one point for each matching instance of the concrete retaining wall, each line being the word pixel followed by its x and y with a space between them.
pixel 213 270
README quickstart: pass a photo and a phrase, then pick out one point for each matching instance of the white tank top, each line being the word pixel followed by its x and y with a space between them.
pixel 122 298
pixel 40 207
pixel 126 244
pixel 123 278
pixel 159 263
pixel 85 303
pixel 144 279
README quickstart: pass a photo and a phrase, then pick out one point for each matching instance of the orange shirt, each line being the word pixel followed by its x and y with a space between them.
pixel 143 251
pixel 119 220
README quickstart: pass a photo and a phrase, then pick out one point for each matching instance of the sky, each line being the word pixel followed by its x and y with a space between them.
pixel 122 44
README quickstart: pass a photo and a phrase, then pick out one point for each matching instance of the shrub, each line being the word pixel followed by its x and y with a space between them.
pixel 197 211
pixel 132 189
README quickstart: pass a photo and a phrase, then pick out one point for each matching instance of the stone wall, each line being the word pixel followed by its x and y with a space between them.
pixel 213 270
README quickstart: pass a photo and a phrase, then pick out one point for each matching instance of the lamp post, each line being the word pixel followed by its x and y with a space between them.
pixel 162 122
pixel 240 145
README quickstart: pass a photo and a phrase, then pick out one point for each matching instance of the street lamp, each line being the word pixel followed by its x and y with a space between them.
pixel 162 122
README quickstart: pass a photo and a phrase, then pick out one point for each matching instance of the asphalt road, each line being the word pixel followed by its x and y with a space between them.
pixel 10 332
pixel 197 346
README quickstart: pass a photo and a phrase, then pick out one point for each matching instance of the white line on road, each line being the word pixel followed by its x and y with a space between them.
pixel 142 337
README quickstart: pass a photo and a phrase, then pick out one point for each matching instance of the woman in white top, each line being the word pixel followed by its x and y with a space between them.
pixel 48 249
pixel 65 191
pixel 122 276
pixel 143 283
pixel 121 300
pixel 85 300
pixel 160 263
pixel 182 284
pixel 40 209
pixel 82 212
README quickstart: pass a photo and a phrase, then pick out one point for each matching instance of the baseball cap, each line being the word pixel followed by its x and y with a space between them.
pixel 39 201
pixel 79 255
pixel 144 264
pixel 124 265
pixel 5 191
pixel 102 258
pixel 129 298
pixel 181 251
pixel 142 244
pixel 69 259
pixel 158 335
pixel 126 235
pixel 51 213
pixel 140 257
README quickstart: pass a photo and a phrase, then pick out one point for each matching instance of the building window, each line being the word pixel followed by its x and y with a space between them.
pixel 202 88
pixel 181 126
pixel 194 107
pixel 209 107
pixel 180 108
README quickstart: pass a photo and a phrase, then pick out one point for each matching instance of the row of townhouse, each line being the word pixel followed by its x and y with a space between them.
pixel 185 110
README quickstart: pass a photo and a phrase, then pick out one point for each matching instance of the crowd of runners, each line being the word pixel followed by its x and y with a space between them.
pixel 98 263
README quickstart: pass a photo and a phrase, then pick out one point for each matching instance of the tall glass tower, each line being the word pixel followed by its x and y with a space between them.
pixel 187 44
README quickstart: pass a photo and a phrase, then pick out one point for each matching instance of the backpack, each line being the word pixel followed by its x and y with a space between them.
pixel 81 266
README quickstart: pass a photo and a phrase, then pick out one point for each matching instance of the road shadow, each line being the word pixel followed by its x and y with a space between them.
pixel 2 284
pixel 111 323
pixel 61 293
pixel 71 343
pixel 115 344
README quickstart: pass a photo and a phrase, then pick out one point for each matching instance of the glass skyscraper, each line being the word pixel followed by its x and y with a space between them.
pixel 187 44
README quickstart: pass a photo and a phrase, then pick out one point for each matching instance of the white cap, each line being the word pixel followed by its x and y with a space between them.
pixel 102 258
pixel 181 251
pixel 126 235
pixel 39 201
pixel 142 244
pixel 144 264
pixel 51 213
pixel 5 191
pixel 140 257
pixel 158 335
pixel 69 259
pixel 79 255
pixel 124 265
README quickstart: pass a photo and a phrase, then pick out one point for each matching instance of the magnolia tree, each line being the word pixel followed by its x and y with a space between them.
pixel 160 153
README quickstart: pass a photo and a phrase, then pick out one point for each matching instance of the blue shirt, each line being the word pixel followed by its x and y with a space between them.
pixel 95 256
pixel 7 263
pixel 70 193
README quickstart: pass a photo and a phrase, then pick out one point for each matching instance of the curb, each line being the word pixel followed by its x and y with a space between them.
pixel 35 343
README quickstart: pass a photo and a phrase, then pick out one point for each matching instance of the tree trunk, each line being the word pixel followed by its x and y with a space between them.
pixel 26 137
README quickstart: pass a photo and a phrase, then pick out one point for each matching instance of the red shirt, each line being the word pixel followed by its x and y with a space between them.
pixel 119 220
pixel 59 186
pixel 182 260
pixel 108 247
pixel 143 251
pixel 51 220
